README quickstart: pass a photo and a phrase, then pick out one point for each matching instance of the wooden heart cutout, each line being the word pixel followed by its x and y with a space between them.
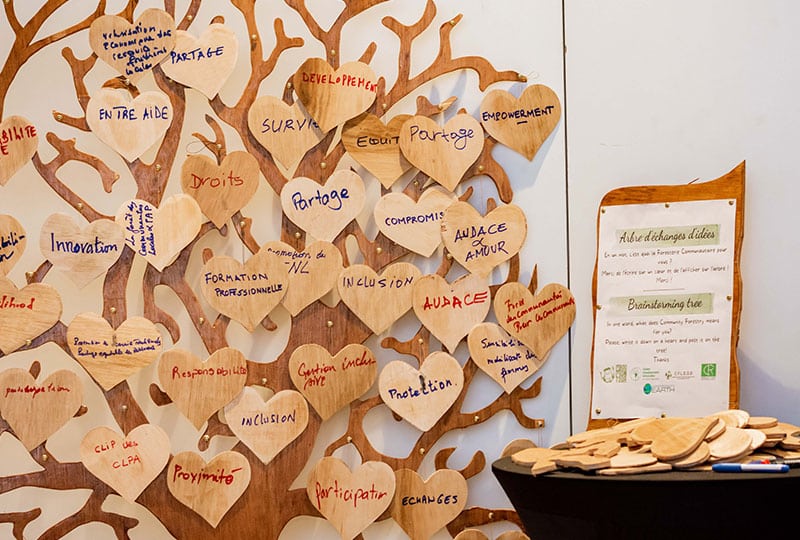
pixel 209 489
pixel 267 427
pixel 422 396
pixel 18 143
pixel 220 190
pixel 26 313
pixel 521 124
pixel 111 356
pixel 537 321
pixel 127 464
pixel 199 389
pixel 84 254
pixel 376 146
pixel 13 240
pixel 503 358
pixel 328 382
pixel 129 126
pixel 311 272
pixel 159 234
pixel 36 410
pixel 422 507
pixel 324 210
pixel 451 310
pixel 133 49
pixel 286 131
pixel 442 152
pixel 370 487
pixel 244 292
pixel 378 300
pixel 333 97
pixel 480 243
pixel 414 225
pixel 203 63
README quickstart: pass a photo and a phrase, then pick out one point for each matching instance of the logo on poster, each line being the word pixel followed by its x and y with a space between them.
pixel 708 371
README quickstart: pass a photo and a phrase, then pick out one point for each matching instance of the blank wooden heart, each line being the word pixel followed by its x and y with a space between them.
pixel 111 356
pixel 210 489
pixel 203 63
pixel 311 272
pixel 422 396
pixel 378 300
pixel 502 357
pixel 328 382
pixel 682 439
pixel 422 507
pixel 414 225
pixel 119 43
pixel 83 254
pixel 159 234
pixel 127 464
pixel 244 292
pixel 267 427
pixel 471 534
pixel 129 126
pixel 324 210
pixel 25 313
pixel 220 190
pixel 18 143
pixel 442 152
pixel 286 131
pixel 36 410
pixel 451 310
pixel 372 485
pixel 13 240
pixel 333 97
pixel 521 124
pixel 376 146
pixel 198 388
pixel 537 321
pixel 480 243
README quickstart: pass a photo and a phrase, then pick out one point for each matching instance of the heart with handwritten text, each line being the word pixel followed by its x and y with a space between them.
pixel 111 356
pixel 203 63
pixel 118 42
pixel 36 409
pixel 329 382
pixel 450 310
pixel 159 234
pixel 18 143
pixel 200 388
pixel 334 96
pixel 209 489
pixel 415 225
pixel 324 210
pixel 220 190
pixel 376 146
pixel 331 477
pixel 25 313
pixel 502 357
pixel 480 243
pixel 445 488
pixel 422 396
pixel 442 152
pixel 267 427
pixel 378 300
pixel 286 131
pixel 129 126
pixel 128 464
pixel 13 240
pixel 524 123
pixel 81 254
pixel 538 321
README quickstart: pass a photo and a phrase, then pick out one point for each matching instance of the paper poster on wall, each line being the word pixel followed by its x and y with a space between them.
pixel 664 308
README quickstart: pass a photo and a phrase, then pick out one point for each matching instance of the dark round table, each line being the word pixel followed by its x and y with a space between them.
pixel 675 505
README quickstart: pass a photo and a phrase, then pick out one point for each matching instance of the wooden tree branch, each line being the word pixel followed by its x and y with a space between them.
pixel 92 511
pixel 20 520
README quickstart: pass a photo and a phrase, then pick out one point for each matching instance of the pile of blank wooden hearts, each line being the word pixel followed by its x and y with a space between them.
pixel 661 444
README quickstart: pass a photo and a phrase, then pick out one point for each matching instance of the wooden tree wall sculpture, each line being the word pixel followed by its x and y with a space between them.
pixel 337 293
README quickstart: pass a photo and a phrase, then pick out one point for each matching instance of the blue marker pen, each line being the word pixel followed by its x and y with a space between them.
pixel 750 467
